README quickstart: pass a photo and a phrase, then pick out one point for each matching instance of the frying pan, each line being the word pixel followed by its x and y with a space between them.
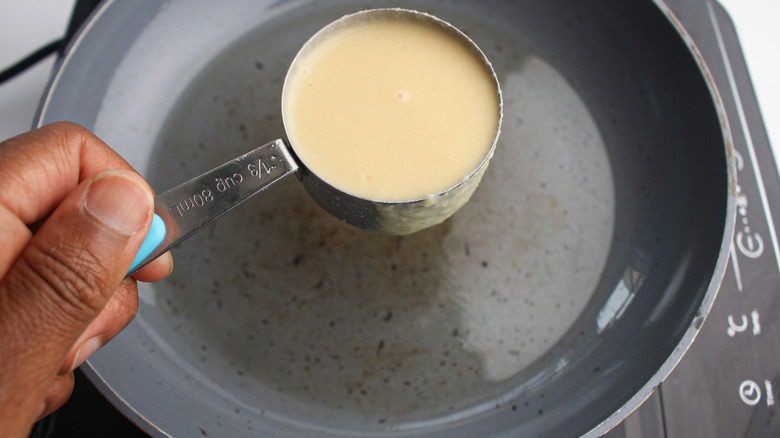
pixel 552 304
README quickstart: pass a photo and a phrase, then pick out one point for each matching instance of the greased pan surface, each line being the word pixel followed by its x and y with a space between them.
pixel 551 305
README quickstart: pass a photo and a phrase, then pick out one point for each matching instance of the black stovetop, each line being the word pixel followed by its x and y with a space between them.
pixel 726 385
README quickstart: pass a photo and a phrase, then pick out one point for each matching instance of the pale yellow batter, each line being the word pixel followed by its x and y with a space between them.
pixel 391 109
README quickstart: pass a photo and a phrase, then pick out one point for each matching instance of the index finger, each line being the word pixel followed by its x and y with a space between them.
pixel 41 167
pixel 37 171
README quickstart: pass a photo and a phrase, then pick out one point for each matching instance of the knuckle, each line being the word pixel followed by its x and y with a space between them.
pixel 70 131
pixel 76 135
pixel 70 137
pixel 123 305
pixel 70 275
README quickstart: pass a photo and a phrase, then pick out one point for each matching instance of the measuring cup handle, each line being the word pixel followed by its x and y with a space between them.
pixel 186 208
pixel 152 241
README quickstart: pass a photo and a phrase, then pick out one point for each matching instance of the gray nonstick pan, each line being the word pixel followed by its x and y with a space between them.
pixel 551 305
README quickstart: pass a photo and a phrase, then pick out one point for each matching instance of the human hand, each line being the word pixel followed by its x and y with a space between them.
pixel 73 214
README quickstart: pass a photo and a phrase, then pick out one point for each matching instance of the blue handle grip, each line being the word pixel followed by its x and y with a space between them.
pixel 153 241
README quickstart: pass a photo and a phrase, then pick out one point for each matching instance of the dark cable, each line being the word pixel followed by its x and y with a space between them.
pixel 81 11
pixel 30 60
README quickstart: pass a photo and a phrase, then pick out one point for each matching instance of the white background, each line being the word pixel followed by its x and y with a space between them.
pixel 28 25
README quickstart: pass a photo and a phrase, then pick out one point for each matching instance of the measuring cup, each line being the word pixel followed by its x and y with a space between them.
pixel 185 209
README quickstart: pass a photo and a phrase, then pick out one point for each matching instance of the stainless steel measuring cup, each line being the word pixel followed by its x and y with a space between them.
pixel 185 209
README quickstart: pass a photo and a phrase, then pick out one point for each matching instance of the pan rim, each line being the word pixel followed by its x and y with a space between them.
pixel 683 345
pixel 711 294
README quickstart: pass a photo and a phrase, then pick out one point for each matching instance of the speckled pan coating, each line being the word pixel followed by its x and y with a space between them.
pixel 550 305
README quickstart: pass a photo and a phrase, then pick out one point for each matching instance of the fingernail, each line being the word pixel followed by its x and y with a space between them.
pixel 169 259
pixel 41 411
pixel 118 202
pixel 89 347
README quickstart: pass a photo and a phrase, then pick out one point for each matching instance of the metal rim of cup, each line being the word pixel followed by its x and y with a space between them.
pixel 393 217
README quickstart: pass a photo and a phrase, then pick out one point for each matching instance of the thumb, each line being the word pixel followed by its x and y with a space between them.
pixel 64 277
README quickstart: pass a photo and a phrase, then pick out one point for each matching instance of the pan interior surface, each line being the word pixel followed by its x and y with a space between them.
pixel 541 308
pixel 314 319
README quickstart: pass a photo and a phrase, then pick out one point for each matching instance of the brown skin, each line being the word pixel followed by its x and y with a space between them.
pixel 73 214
